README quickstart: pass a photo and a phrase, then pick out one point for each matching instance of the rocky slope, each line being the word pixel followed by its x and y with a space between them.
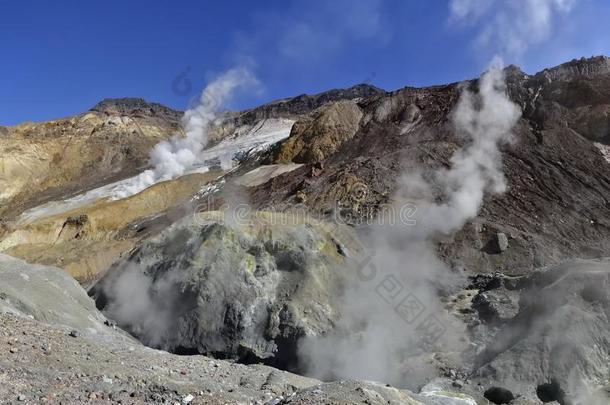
pixel 44 165
pixel 557 200
pixel 303 104
pixel 50 160
pixel 105 229
pixel 533 329
pixel 250 293
pixel 317 137
pixel 56 348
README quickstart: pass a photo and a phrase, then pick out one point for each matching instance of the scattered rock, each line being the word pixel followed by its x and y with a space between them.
pixel 110 323
pixel 457 384
pixel 502 241
pixel 301 197
pixel 497 305
pixel 497 244
pixel 78 221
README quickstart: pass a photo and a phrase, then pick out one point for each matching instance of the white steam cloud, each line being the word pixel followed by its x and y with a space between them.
pixel 486 119
pixel 376 333
pixel 174 157
pixel 510 27
pixel 389 316
pixel 133 302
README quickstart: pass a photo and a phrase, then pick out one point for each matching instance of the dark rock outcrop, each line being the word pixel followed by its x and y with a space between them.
pixel 136 107
pixel 304 104
pixel 241 291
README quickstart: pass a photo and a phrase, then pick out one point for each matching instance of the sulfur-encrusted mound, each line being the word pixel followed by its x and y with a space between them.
pixel 222 286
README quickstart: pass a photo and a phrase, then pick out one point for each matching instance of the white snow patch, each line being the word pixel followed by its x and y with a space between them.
pixel 262 174
pixel 226 154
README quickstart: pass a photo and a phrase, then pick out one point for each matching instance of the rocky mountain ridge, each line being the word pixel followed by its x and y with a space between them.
pixel 555 165
pixel 594 66
pixel 529 309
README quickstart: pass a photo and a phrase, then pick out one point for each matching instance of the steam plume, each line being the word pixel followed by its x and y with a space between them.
pixel 174 157
pixel 512 28
pixel 133 297
pixel 372 340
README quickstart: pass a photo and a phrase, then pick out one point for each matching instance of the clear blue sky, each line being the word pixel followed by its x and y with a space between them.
pixel 59 58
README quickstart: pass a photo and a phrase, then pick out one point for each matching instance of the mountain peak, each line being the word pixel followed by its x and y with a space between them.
pixel 131 106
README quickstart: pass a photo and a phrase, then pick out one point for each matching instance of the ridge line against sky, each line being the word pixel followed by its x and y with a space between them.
pixel 61 58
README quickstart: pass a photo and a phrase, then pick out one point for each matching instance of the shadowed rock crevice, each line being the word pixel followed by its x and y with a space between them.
pixel 550 392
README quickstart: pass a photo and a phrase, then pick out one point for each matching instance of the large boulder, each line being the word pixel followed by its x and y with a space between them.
pixel 245 288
